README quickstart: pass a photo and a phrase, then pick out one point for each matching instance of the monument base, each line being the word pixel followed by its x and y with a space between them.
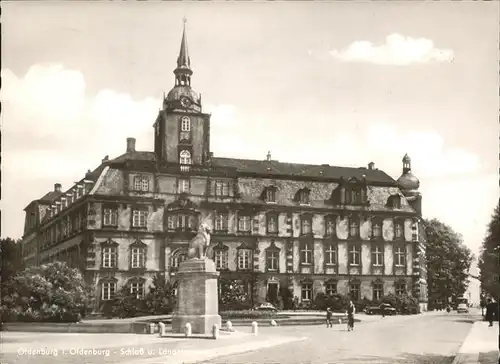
pixel 197 299
pixel 200 324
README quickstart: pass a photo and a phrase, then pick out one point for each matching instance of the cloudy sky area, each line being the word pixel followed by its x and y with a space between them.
pixel 339 83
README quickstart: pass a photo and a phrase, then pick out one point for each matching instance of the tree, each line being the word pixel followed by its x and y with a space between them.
pixel 489 258
pixel 448 262
pixel 11 261
pixel 51 292
pixel 232 295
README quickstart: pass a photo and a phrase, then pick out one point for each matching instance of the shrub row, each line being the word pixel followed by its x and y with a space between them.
pixel 247 314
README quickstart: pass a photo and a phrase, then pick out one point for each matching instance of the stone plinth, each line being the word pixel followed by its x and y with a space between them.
pixel 197 297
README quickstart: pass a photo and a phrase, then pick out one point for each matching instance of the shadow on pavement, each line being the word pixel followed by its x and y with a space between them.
pixel 491 357
pixel 405 358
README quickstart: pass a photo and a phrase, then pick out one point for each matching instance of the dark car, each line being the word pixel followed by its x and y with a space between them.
pixel 383 309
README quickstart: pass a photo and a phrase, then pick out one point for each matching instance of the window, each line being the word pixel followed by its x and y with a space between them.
pixel 398 230
pixel 137 257
pixel 400 289
pixel 354 255
pixel 110 217
pixel 354 291
pixel 183 222
pixel 108 290
pixel 399 256
pixel 303 196
pixel 244 259
pixel 220 258
pixel 355 195
pixel 353 228
pixel 330 229
pixel 377 256
pixel 109 257
pixel 178 259
pixel 139 218
pixel 270 194
pixel 305 225
pixel 331 288
pixel 378 291
pixel 137 289
pixel 221 188
pixel 141 183
pixel 376 229
pixel 183 185
pixel 185 157
pixel 185 124
pixel 244 223
pixel 221 221
pixel 306 291
pixel 306 254
pixel 170 222
pixel 331 254
pixel 272 259
pixel 272 223
pixel 69 221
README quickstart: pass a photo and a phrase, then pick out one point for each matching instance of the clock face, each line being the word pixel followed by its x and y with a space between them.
pixel 185 102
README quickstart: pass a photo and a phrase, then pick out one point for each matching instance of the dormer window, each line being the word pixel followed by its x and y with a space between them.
pixel 354 195
pixel 302 196
pixel 269 194
pixel 394 201
pixel 141 183
pixel 185 123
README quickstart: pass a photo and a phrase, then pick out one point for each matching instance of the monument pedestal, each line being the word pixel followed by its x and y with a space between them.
pixel 197 297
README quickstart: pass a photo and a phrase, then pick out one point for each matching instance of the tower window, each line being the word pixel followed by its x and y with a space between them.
pixel 185 157
pixel 185 123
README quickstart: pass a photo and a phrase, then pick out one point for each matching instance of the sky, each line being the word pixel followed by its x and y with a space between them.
pixel 343 83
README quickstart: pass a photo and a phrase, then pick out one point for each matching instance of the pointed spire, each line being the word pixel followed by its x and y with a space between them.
pixel 183 59
pixel 183 71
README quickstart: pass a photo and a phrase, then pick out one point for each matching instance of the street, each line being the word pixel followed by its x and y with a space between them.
pixel 432 338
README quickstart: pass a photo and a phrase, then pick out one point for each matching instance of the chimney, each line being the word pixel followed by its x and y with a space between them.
pixel 269 156
pixel 130 145
pixel 105 159
pixel 57 187
pixel 371 165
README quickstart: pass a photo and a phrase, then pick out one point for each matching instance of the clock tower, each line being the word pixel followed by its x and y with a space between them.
pixel 182 130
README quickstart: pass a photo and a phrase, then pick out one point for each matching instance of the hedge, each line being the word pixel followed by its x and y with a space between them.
pixel 247 314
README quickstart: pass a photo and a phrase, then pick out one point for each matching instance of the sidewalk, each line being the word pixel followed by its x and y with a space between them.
pixel 480 345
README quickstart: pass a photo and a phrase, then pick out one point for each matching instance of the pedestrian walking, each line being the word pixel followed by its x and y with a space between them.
pixel 351 310
pixel 491 311
pixel 328 318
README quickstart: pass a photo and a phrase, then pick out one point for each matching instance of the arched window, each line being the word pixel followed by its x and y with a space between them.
pixel 185 124
pixel 185 157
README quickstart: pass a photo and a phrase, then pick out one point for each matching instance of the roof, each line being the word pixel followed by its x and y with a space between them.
pixel 51 196
pixel 302 170
pixel 135 156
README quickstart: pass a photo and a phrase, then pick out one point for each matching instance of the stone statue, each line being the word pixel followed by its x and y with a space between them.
pixel 197 246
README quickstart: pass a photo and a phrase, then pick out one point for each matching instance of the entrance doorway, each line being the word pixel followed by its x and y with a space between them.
pixel 272 292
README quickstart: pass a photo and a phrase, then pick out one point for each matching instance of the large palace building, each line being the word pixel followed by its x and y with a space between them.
pixel 311 228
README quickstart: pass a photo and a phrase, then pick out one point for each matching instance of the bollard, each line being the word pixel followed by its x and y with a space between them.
pixel 187 329
pixel 273 323
pixel 340 320
pixel 152 328
pixel 229 326
pixel 255 328
pixel 215 331
pixel 161 330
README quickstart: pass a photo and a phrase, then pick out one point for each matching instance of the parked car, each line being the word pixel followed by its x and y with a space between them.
pixel 383 308
pixel 462 308
pixel 266 307
pixel 410 310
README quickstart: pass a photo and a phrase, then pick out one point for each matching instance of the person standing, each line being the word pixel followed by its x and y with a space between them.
pixel 491 311
pixel 328 318
pixel 351 310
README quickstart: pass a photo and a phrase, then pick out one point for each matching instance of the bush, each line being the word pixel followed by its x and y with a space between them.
pixel 336 302
pixel 51 293
pixel 161 298
pixel 232 295
pixel 403 304
pixel 127 304
pixel 247 314
pixel 287 298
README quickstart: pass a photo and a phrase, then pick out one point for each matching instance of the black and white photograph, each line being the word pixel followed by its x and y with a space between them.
pixel 228 182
